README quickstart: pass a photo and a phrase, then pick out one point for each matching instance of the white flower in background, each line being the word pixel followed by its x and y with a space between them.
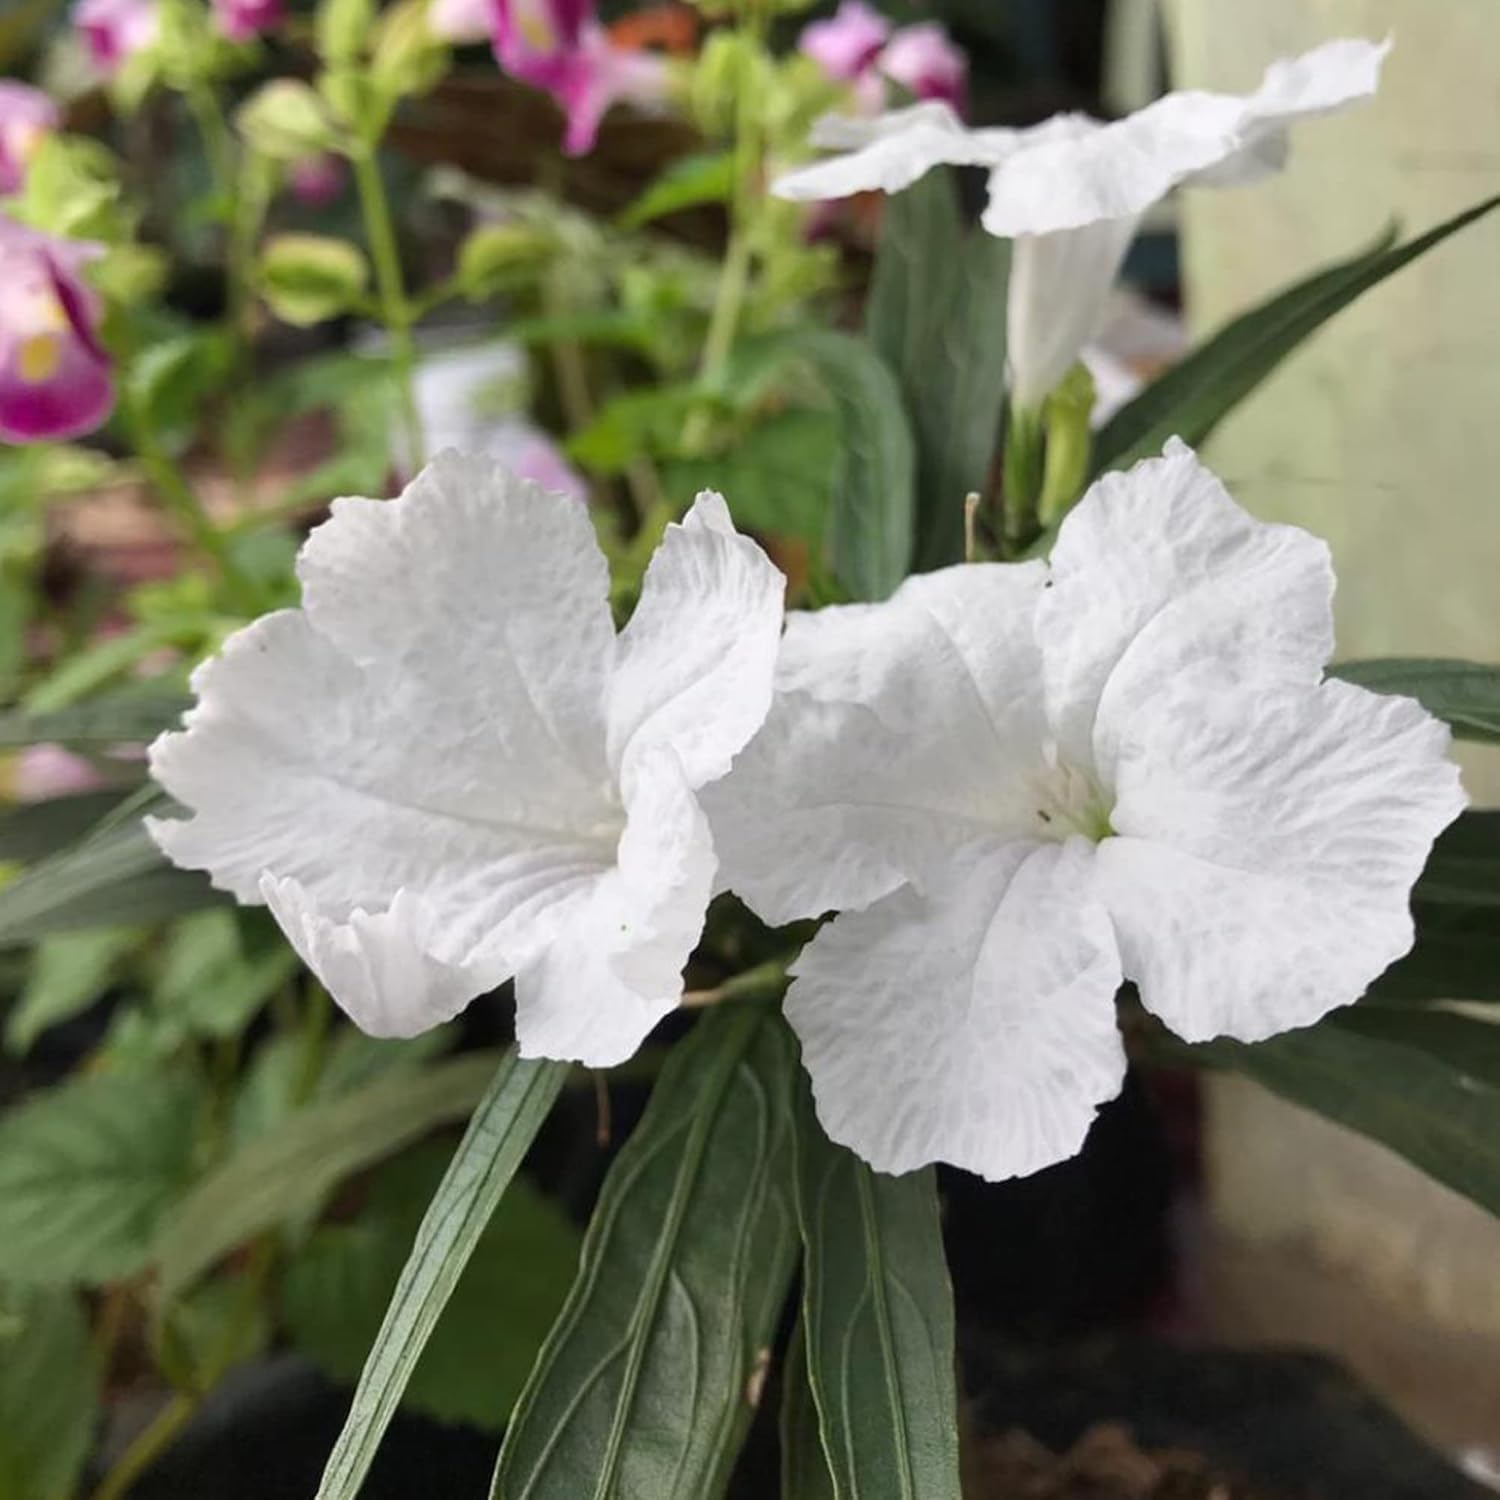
pixel 1071 191
pixel 1021 783
pixel 446 769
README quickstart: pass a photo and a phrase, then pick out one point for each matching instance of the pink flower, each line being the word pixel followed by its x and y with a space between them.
pixel 560 47
pixel 42 772
pixel 847 44
pixel 925 62
pixel 56 379
pixel 461 21
pixel 115 30
pixel 244 20
pixel 318 180
pixel 27 118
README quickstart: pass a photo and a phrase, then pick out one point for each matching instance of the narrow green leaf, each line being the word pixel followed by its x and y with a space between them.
pixel 1464 866
pixel 34 830
pixel 290 1170
pixel 113 878
pixel 518 1099
pixel 805 1474
pixel 49 1395
pixel 1424 1083
pixel 707 177
pixel 872 515
pixel 650 1376
pixel 88 1170
pixel 68 973
pixel 1464 694
pixel 878 1310
pixel 944 336
pixel 113 719
pixel 1192 398
pixel 474 1359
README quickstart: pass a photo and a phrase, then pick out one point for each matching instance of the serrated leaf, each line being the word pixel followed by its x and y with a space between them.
pixel 290 1171
pixel 117 877
pixel 690 181
pixel 1425 1083
pixel 518 1099
pixel 877 1308
pixel 1193 397
pixel 68 974
pixel 473 1364
pixel 1464 866
pixel 1464 694
pixel 113 719
pixel 649 1378
pixel 88 1171
pixel 49 1396
pixel 872 513
pixel 805 1474
pixel 945 337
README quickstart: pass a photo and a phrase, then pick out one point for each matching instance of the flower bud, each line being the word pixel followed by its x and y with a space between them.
pixel 287 121
pixel 310 278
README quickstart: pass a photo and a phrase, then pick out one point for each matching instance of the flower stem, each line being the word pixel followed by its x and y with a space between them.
pixel 148 1447
pixel 764 981
pixel 395 307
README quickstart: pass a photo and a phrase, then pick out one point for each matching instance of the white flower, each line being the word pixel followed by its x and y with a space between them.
pixel 1024 782
pixel 1072 190
pixel 446 769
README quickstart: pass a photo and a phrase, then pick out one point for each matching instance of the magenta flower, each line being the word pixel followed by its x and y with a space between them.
pixel 244 20
pixel 560 47
pixel 115 30
pixel 924 60
pixel 318 180
pixel 847 44
pixel 27 117
pixel 56 379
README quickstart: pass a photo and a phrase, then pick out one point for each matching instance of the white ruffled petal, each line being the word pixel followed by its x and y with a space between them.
pixel 1156 573
pixel 1121 169
pixel 1269 843
pixel 892 740
pixel 379 966
pixel 1057 297
pixel 974 1024
pixel 616 969
pixel 697 659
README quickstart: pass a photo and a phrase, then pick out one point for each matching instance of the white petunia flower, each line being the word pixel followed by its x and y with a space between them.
pixel 1071 191
pixel 446 769
pixel 1023 782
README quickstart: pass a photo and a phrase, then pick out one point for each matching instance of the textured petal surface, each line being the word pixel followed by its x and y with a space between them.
pixel 696 661
pixel 895 736
pixel 1056 299
pixel 1156 573
pixel 616 968
pixel 1120 169
pixel 973 1024
pixel 1269 843
pixel 379 966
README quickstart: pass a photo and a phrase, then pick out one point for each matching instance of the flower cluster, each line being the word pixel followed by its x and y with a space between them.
pixel 1071 191
pixel 1019 784
pixel 858 46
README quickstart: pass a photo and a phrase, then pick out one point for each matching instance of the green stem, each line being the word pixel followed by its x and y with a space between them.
pixel 764 981
pixel 395 308
pixel 148 1447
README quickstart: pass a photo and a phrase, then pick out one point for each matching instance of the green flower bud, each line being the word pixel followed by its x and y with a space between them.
pixel 309 278
pixel 495 257
pixel 286 120
pixel 408 58
pixel 342 28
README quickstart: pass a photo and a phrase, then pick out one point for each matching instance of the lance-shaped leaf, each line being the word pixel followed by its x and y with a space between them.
pixel 507 1120
pixel 651 1375
pixel 1456 957
pixel 1464 866
pixel 289 1170
pixel 1425 1083
pixel 805 1474
pixel 944 336
pixel 1192 398
pixel 1464 694
pixel 113 719
pixel 878 1313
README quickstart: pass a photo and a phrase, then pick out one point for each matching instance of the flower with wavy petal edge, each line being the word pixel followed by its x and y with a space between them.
pixel 56 379
pixel 446 769
pixel 1071 191
pixel 27 117
pixel 1022 783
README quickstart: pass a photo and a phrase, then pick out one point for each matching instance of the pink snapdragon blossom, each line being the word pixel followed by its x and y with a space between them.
pixel 857 46
pixel 115 30
pixel 55 377
pixel 560 47
pixel 318 180
pixel 27 118
pixel 244 20
pixel 461 21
